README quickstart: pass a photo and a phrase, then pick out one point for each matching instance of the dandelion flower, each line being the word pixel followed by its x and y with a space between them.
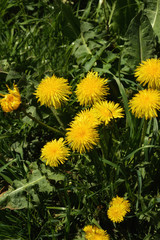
pixel 145 103
pixel 87 115
pixel 95 233
pixel 52 91
pixel 119 207
pixel 82 134
pixel 148 72
pixel 107 110
pixel 55 152
pixel 11 101
pixel 91 89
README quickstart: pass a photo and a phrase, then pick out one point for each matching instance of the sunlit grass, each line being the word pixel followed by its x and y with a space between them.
pixel 69 39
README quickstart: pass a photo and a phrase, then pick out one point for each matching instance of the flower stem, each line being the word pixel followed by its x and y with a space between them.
pixel 144 129
pixel 93 155
pixel 105 141
pixel 42 124
pixel 57 117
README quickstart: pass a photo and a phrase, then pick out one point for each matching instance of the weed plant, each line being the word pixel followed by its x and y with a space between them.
pixel 69 39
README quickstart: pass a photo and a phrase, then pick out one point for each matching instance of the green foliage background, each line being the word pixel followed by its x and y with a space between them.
pixel 44 37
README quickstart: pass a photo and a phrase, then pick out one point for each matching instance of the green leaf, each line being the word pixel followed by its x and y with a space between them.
pixel 51 175
pixel 71 26
pixel 90 63
pixel 131 155
pixel 152 10
pixel 21 190
pixel 4 136
pixel 12 75
pixel 6 165
pixel 110 163
pixel 140 41
pixel 57 177
pixel 121 14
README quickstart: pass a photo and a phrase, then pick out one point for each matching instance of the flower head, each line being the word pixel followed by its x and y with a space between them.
pixel 95 233
pixel 145 103
pixel 52 91
pixel 11 101
pixel 55 152
pixel 82 134
pixel 87 115
pixel 118 209
pixel 107 110
pixel 148 72
pixel 91 89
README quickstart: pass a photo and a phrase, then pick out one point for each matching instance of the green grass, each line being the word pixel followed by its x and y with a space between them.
pixel 40 38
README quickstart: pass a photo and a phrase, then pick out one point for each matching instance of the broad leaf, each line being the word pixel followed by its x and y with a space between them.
pixel 152 10
pixel 121 14
pixel 140 41
pixel 24 191
pixel 90 46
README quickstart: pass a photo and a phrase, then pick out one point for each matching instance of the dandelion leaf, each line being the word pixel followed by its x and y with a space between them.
pixel 122 13
pixel 51 175
pixel 24 193
pixel 71 25
pixel 152 10
pixel 140 41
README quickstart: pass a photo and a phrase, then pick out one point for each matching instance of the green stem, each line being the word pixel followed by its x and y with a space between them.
pixel 144 129
pixel 105 141
pixel 57 117
pixel 93 155
pixel 68 208
pixel 42 124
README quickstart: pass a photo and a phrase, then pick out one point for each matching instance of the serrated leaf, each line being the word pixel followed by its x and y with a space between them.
pixel 12 75
pixel 86 26
pixel 152 10
pixel 140 41
pixel 71 27
pixel 17 195
pixel 121 14
pixel 51 175
pixel 90 63
pixel 57 177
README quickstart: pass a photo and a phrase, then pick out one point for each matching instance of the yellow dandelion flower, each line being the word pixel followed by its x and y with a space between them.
pixel 119 207
pixel 91 89
pixel 11 101
pixel 52 91
pixel 145 103
pixel 82 134
pixel 87 115
pixel 95 233
pixel 107 110
pixel 55 152
pixel 148 72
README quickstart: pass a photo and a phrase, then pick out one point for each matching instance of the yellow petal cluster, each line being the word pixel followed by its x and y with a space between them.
pixel 95 233
pixel 148 72
pixel 107 110
pixel 145 103
pixel 11 101
pixel 91 89
pixel 55 152
pixel 88 115
pixel 82 134
pixel 52 91
pixel 118 209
